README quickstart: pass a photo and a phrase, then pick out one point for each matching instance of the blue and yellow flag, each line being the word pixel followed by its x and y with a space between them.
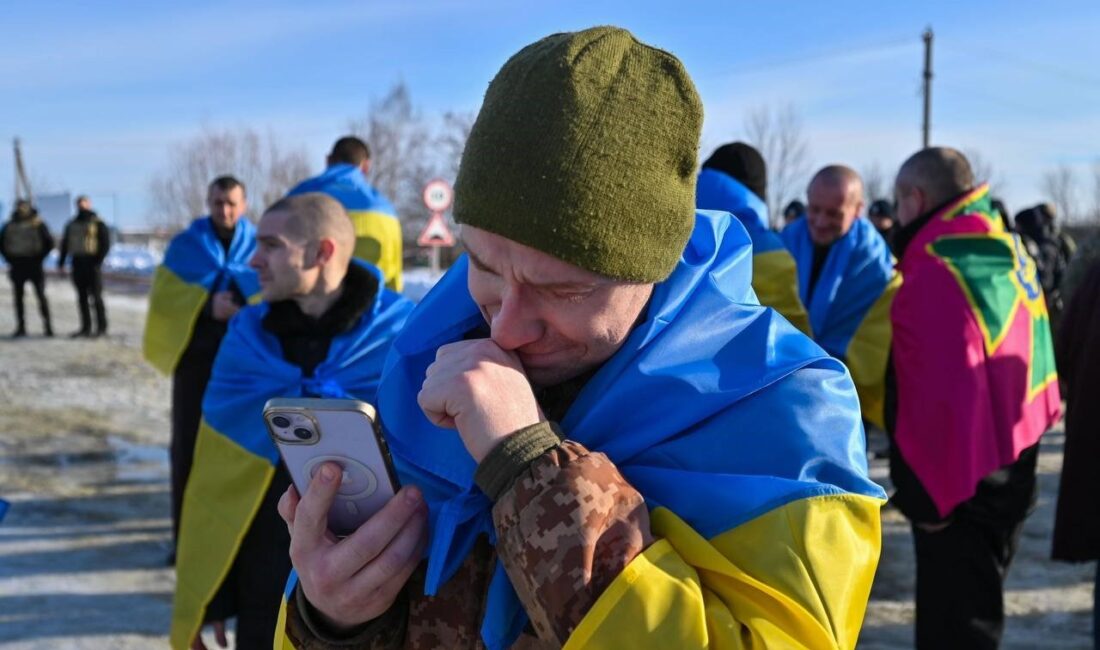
pixel 850 305
pixel 234 457
pixel 377 228
pixel 743 436
pixel 774 276
pixel 195 266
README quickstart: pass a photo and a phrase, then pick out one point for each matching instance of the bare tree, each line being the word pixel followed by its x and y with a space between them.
pixel 985 172
pixel 1059 185
pixel 179 190
pixel 1096 191
pixel 408 150
pixel 875 185
pixel 778 136
pixel 453 135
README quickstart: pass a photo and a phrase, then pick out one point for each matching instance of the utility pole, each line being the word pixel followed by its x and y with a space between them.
pixel 22 185
pixel 927 126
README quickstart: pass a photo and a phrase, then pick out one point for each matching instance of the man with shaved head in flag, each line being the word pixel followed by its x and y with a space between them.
pixel 323 330
pixel 846 280
pixel 975 389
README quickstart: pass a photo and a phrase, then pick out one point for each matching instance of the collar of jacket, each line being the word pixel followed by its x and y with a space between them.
pixel 285 317
pixel 907 233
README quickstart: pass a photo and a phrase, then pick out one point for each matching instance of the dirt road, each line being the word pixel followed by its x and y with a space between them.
pixel 83 437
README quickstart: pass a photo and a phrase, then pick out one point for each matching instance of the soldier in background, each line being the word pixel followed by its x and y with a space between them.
pixel 24 244
pixel 881 213
pixel 86 241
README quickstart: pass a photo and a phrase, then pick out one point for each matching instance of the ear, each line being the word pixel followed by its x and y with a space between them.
pixel 365 167
pixel 326 248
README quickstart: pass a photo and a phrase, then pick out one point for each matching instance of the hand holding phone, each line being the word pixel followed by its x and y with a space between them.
pixel 357 578
pixel 311 432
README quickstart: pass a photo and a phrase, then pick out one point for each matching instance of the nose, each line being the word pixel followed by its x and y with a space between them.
pixel 256 261
pixel 517 322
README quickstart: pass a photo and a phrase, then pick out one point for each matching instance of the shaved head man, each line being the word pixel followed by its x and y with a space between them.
pixel 323 330
pixel 305 244
pixel 974 388
pixel 930 178
pixel 845 269
pixel 835 200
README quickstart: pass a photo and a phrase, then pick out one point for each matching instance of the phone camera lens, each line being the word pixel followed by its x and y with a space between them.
pixel 302 433
pixel 280 421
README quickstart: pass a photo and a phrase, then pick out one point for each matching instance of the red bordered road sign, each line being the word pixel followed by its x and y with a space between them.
pixel 436 233
pixel 438 195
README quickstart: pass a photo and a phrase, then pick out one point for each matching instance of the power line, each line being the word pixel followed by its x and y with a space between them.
pixel 824 55
pixel 1042 66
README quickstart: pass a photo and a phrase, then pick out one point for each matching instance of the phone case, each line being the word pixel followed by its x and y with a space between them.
pixel 309 432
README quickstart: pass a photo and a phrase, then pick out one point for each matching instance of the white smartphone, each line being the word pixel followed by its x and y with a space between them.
pixel 310 432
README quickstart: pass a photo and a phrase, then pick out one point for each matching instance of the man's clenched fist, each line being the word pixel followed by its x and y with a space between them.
pixel 480 389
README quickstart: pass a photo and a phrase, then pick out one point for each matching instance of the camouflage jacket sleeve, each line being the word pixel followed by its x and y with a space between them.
pixel 567 525
pixel 306 631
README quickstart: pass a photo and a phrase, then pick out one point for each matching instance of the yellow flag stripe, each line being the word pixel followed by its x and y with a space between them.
pixel 225 489
pixel 797 576
pixel 174 306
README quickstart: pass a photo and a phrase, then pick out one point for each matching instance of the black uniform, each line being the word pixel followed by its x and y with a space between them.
pixel 24 243
pixel 86 241
pixel 253 590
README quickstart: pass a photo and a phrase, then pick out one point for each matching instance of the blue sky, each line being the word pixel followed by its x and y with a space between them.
pixel 99 92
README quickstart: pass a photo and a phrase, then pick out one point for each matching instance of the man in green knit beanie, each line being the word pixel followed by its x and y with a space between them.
pixel 604 440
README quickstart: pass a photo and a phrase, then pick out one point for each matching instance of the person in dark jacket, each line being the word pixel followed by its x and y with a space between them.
pixel 316 302
pixel 794 211
pixel 1051 248
pixel 881 213
pixel 25 241
pixel 86 242
pixel 193 328
pixel 1077 520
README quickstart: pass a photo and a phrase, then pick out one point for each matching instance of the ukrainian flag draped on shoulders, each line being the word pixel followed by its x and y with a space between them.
pixel 235 458
pixel 972 351
pixel 742 434
pixel 195 266
pixel 774 276
pixel 377 228
pixel 850 304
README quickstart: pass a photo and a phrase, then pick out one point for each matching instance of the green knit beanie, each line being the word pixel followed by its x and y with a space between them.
pixel 585 148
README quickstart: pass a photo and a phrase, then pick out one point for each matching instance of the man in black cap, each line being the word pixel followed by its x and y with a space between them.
pixel 734 179
pixel 881 213
pixel 24 243
pixel 794 211
pixel 86 241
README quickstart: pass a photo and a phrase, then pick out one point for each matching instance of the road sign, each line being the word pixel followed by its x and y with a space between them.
pixel 436 233
pixel 438 195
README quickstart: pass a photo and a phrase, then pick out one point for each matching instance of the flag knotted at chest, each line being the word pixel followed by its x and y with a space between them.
pixel 195 266
pixel 707 372
pixel 235 458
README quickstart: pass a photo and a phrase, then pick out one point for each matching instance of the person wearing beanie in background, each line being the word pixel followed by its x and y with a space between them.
pixel 881 213
pixel 85 243
pixel 25 241
pixel 612 444
pixel 734 180
pixel 377 228
pixel 846 279
pixel 794 211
